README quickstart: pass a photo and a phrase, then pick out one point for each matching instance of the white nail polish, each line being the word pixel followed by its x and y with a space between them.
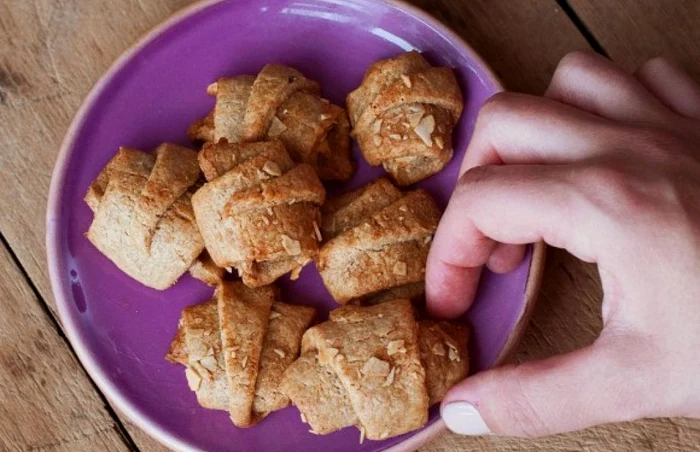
pixel 464 418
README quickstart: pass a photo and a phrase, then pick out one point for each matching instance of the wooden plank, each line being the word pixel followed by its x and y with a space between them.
pixel 522 43
pixel 632 31
pixel 46 399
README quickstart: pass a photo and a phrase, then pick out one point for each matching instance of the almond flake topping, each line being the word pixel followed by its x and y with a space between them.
pixel 193 379
pixel 272 168
pixel 275 315
pixel 395 136
pixel 406 80
pixel 362 434
pixel 377 140
pixel 395 347
pixel 414 118
pixel 291 246
pixel 377 126
pixel 277 128
pixel 318 232
pixel 454 356
pixel 440 143
pixel 294 275
pixel 425 128
pixel 400 268
pixel 403 208
pixel 376 367
pixel 325 116
pixel 244 362
pixel 209 363
pixel 279 352
pixel 303 418
pixel 438 349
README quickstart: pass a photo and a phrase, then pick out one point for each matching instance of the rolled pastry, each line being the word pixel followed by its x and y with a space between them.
pixel 281 104
pixel 259 212
pixel 143 220
pixel 403 114
pixel 379 243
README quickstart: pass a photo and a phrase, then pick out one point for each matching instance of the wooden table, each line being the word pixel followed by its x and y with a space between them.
pixel 51 52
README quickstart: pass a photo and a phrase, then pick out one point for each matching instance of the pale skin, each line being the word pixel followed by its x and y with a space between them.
pixel 607 166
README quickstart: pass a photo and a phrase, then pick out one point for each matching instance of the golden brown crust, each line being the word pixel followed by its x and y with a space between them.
pixel 243 319
pixel 205 360
pixel 206 270
pixel 281 345
pixel 443 348
pixel 318 394
pixel 281 104
pixel 403 114
pixel 141 223
pixel 388 249
pixel 374 352
pixel 260 216
pixel 177 352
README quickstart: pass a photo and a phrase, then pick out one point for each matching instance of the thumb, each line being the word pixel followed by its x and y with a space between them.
pixel 569 392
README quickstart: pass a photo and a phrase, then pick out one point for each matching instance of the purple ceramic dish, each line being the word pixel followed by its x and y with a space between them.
pixel 121 329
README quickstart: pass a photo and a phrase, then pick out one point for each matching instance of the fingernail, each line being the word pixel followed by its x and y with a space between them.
pixel 464 418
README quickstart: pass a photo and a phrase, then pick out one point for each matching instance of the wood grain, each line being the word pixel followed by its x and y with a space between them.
pixel 53 51
pixel 632 31
pixel 46 399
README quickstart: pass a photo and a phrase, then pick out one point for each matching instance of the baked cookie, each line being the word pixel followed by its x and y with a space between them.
pixel 403 114
pixel 259 212
pixel 375 368
pixel 281 104
pixel 143 220
pixel 380 241
pixel 237 347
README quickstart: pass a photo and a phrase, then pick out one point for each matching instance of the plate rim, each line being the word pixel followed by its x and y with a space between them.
pixel 53 213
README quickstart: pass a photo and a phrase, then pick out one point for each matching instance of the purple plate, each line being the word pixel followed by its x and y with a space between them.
pixel 121 329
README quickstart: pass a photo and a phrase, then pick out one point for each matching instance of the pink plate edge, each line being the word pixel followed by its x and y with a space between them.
pixel 60 289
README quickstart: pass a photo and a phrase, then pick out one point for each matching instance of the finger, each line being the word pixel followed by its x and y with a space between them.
pixel 671 85
pixel 595 84
pixel 587 387
pixel 505 257
pixel 518 128
pixel 512 204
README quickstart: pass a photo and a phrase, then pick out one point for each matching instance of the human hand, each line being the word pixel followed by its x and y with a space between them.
pixel 607 166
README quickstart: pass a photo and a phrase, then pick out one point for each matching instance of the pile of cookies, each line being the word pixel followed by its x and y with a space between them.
pixel 252 199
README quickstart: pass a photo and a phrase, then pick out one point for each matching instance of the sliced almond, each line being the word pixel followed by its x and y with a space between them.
pixel 213 89
pixel 244 362
pixel 425 128
pixel 440 142
pixel 403 208
pixel 406 80
pixel 453 355
pixel 272 168
pixel 209 363
pixel 428 239
pixel 291 246
pixel 376 367
pixel 362 434
pixel 193 379
pixel 325 117
pixel 274 315
pixel 377 126
pixel 232 352
pixel 416 108
pixel 400 268
pixel 319 237
pixel 279 352
pixel 438 349
pixel 377 140
pixel 277 128
pixel 395 347
pixel 390 378
pixel 395 136
pixel 303 418
pixel 414 119
pixel 265 220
